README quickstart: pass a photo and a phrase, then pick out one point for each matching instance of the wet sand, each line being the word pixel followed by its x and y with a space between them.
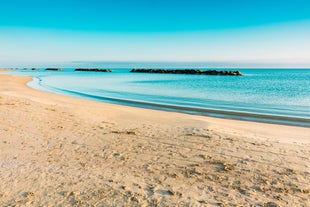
pixel 64 151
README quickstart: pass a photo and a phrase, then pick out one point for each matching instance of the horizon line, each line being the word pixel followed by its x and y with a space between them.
pixel 158 63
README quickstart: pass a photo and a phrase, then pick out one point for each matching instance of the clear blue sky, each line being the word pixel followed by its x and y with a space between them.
pixel 236 32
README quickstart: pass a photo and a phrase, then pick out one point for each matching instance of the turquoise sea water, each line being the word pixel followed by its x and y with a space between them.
pixel 272 95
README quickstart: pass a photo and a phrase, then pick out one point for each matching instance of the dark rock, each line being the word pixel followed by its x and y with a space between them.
pixel 187 71
pixel 56 69
pixel 93 70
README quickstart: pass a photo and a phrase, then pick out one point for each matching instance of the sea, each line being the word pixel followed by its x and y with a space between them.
pixel 265 95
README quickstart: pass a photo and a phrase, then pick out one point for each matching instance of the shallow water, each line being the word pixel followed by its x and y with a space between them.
pixel 272 95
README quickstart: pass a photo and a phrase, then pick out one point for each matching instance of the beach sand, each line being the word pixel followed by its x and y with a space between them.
pixel 64 151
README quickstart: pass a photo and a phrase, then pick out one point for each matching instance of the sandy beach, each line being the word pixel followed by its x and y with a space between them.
pixel 65 151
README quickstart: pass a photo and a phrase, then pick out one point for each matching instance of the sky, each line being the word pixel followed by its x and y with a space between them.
pixel 217 33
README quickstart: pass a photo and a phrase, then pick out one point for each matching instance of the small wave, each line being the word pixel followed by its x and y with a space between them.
pixel 298 121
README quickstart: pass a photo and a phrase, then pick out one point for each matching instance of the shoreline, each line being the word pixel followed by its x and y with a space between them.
pixel 201 117
pixel 216 113
pixel 61 150
pixel 209 112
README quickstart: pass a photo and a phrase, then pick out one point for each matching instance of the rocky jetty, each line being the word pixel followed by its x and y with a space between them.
pixel 93 70
pixel 188 71
pixel 57 69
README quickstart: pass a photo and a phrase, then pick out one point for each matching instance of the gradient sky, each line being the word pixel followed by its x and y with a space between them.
pixel 224 33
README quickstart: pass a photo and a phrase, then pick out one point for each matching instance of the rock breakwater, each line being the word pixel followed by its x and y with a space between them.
pixel 56 69
pixel 188 71
pixel 93 70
